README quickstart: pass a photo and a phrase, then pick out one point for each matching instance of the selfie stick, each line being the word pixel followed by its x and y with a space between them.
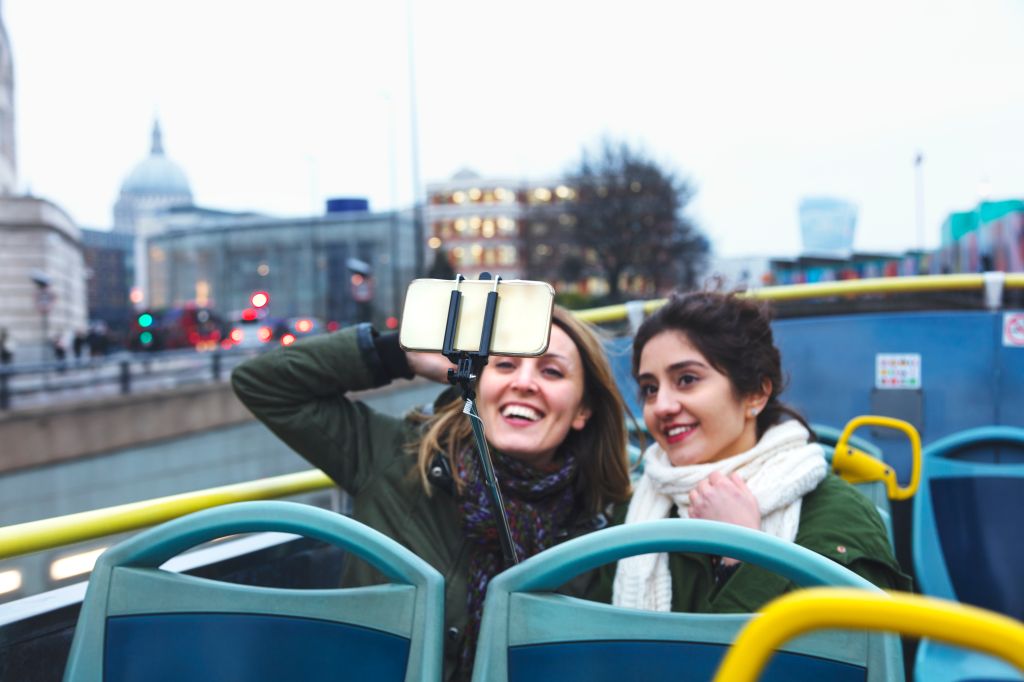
pixel 468 366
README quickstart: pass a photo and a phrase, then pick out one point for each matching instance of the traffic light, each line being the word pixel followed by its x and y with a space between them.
pixel 145 321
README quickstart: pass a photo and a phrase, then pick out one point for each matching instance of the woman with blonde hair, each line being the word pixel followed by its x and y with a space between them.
pixel 555 426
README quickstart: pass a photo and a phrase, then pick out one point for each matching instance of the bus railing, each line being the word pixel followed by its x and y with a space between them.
pixel 35 536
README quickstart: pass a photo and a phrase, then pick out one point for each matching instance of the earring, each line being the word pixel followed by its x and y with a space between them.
pixel 753 411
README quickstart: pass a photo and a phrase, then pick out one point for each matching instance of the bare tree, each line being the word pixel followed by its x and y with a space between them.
pixel 625 220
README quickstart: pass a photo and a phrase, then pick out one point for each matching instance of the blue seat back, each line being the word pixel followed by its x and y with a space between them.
pixel 530 633
pixel 139 622
pixel 968 541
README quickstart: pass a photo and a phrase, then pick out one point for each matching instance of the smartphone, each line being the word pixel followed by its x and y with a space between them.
pixel 522 320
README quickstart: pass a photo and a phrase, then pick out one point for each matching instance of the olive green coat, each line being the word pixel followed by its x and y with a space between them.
pixel 299 392
pixel 836 521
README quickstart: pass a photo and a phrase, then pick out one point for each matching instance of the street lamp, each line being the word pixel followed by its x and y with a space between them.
pixel 44 301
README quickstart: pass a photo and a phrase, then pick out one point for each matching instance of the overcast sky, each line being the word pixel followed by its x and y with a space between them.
pixel 274 106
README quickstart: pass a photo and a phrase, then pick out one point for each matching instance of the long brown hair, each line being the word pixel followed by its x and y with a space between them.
pixel 599 447
pixel 734 333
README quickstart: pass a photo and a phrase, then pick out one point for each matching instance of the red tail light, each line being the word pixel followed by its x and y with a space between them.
pixel 287 340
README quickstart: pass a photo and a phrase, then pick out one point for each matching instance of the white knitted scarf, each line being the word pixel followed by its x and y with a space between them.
pixel 779 470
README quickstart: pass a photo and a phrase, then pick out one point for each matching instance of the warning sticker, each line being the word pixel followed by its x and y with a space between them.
pixel 898 370
pixel 1013 329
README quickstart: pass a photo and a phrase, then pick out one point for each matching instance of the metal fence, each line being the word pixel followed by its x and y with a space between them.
pixel 31 385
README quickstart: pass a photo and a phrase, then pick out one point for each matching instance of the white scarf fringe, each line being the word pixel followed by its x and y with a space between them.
pixel 779 470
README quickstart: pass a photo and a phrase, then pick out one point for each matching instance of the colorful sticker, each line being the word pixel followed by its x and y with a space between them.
pixel 1013 329
pixel 898 370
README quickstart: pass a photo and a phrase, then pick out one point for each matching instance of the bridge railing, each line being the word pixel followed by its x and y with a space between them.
pixel 25 385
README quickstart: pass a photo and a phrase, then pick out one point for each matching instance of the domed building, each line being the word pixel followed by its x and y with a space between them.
pixel 154 187
pixel 155 184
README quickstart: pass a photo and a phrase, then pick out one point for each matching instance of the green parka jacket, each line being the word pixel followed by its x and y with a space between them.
pixel 836 521
pixel 299 392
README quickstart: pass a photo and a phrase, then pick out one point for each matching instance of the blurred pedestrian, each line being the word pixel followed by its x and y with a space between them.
pixel 78 344
pixel 6 347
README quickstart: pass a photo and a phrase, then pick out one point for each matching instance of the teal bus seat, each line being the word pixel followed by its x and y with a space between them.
pixel 968 539
pixel 139 622
pixel 529 633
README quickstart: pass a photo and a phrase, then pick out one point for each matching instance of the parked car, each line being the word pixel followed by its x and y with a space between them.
pixel 295 328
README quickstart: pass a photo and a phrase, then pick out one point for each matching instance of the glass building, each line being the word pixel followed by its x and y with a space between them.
pixel 341 267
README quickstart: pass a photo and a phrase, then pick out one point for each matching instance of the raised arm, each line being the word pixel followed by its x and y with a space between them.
pixel 299 392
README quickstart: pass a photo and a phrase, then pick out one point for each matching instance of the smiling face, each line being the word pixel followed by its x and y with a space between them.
pixel 690 408
pixel 529 405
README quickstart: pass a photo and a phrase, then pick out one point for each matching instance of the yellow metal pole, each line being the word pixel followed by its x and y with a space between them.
pixel 35 536
pixel 820 608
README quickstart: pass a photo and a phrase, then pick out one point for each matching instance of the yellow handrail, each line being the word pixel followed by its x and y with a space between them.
pixel 35 536
pixel 833 607
pixel 857 466
pixel 848 287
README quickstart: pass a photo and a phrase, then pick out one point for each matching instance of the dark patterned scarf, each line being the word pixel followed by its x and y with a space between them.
pixel 538 505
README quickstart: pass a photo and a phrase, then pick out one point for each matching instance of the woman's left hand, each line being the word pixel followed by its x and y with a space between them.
pixel 725 498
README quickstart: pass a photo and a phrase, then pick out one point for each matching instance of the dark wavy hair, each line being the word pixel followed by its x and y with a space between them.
pixel 734 333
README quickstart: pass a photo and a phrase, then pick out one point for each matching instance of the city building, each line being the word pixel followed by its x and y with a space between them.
pixel 344 266
pixel 42 273
pixel 512 228
pixel 827 227
pixel 42 276
pixel 110 275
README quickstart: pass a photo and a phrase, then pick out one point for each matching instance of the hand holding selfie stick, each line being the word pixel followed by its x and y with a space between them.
pixel 468 366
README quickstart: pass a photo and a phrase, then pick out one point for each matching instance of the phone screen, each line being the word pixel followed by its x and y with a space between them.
pixel 522 323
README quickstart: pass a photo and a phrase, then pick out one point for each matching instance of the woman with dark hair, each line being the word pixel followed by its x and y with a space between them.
pixel 727 449
pixel 555 425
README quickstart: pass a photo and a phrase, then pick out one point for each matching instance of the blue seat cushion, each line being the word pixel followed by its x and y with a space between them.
pixel 978 521
pixel 252 647
pixel 615 661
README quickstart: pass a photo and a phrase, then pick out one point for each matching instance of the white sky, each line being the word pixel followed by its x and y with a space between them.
pixel 274 106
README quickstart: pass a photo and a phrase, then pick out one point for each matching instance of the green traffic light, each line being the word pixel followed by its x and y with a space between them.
pixel 145 320
pixel 146 338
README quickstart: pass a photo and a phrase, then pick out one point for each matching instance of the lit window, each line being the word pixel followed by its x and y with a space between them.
pixel 499 194
pixel 474 194
pixel 474 226
pixel 635 186
pixel 563 192
pixel 507 255
pixel 434 243
pixel 542 250
pixel 506 225
pixel 460 225
pixel 487 229
pixel 476 251
pixel 459 197
pixel 542 194
pixel 567 219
